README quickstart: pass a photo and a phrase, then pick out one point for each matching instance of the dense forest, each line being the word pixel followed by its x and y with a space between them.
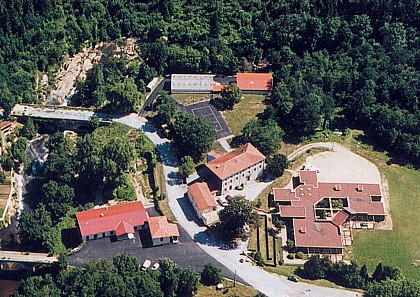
pixel 337 64
pixel 77 173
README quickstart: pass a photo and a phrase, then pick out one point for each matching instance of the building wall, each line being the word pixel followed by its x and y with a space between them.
pixel 319 250
pixel 192 83
pixel 210 218
pixel 242 178
pixel 108 233
pixel 161 240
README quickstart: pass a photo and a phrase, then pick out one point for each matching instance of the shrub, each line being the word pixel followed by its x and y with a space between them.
pixel 281 262
pixel 299 255
pixel 290 244
pixel 290 256
pixel 211 275
pixel 258 258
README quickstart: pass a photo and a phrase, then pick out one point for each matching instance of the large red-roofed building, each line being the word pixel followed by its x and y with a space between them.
pixel 235 168
pixel 121 220
pixel 255 82
pixel 322 214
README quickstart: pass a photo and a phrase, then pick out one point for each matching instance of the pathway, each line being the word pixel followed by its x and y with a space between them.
pixel 223 142
pixel 267 283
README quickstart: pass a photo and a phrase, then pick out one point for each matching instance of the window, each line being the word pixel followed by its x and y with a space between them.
pixel 161 239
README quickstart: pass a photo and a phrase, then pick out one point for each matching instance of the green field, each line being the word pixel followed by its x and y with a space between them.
pixel 243 112
pixel 401 246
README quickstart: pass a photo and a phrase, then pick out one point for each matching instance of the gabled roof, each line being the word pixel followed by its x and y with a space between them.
pixel 339 218
pixel 124 228
pixel 235 161
pixel 201 195
pixel 160 227
pixel 106 219
pixel 255 81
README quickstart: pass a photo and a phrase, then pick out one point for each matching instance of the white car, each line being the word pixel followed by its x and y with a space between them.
pixel 155 266
pixel 146 265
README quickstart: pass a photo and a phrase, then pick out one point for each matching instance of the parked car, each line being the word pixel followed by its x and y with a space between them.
pixel 155 266
pixel 146 265
pixel 292 278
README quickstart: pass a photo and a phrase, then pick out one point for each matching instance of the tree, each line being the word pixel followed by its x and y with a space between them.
pixel 37 286
pixel 186 168
pixel 189 282
pixel 124 97
pixel 35 228
pixel 264 135
pixel 377 274
pixel 169 277
pixel 395 288
pixel 211 275
pixel 57 198
pixel 29 130
pixel 230 96
pixel 276 164
pixel 192 135
pixel 18 150
pixel 316 267
pixel 235 216
pixel 126 264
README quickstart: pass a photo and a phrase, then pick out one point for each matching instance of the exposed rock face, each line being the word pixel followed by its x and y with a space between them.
pixel 76 67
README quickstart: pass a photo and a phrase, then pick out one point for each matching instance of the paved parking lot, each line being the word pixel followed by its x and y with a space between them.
pixel 186 253
pixel 211 115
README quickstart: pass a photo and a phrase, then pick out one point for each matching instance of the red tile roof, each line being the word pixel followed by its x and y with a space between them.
pixel 235 161
pixel 311 233
pixel 160 227
pixel 101 220
pixel 124 228
pixel 218 88
pixel 284 195
pixel 255 81
pixel 293 211
pixel 201 195
pixel 339 218
pixel 308 177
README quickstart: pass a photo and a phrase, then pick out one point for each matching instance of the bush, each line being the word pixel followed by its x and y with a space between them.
pixel 211 275
pixel 290 256
pixel 281 262
pixel 278 223
pixel 299 255
pixel 258 258
pixel 290 244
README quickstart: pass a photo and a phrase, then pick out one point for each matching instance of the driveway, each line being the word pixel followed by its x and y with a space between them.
pixel 267 283
pixel 186 253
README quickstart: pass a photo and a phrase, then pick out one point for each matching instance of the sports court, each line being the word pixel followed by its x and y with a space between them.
pixel 211 115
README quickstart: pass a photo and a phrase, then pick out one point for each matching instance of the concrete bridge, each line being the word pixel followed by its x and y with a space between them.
pixel 12 261
pixel 59 113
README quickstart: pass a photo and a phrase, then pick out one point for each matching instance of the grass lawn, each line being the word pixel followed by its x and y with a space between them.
pixel 229 290
pixel 399 247
pixel 243 112
pixel 252 245
pixel 186 99
pixel 280 182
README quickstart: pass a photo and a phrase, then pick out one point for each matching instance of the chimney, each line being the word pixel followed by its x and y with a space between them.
pixel 303 230
pixel 337 187
pixel 360 188
pixel 102 214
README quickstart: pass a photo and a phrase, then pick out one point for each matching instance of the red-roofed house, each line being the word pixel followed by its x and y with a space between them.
pixel 121 220
pixel 255 82
pixel 162 231
pixel 203 203
pixel 236 168
pixel 323 214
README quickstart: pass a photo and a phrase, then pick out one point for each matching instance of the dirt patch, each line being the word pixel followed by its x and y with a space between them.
pixel 76 67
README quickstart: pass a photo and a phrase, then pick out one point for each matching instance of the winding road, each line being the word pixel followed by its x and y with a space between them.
pixel 268 283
